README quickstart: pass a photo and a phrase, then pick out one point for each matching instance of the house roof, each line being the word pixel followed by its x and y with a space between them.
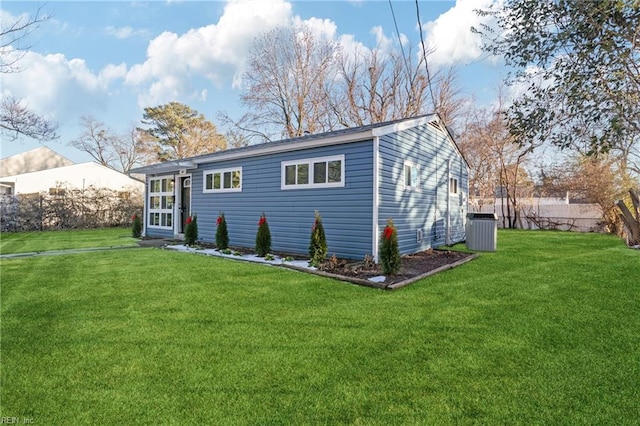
pixel 78 176
pixel 41 158
pixel 335 137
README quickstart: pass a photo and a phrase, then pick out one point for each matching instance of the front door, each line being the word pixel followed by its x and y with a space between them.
pixel 185 201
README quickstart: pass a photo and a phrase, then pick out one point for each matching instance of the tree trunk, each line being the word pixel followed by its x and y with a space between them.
pixel 632 224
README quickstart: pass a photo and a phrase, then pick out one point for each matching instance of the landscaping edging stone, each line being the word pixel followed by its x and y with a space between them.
pixel 302 266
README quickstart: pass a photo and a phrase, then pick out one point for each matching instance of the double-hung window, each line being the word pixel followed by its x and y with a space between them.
pixel 453 185
pixel 320 172
pixel 222 180
pixel 161 196
pixel 411 176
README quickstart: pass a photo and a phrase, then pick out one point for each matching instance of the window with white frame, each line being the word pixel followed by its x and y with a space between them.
pixel 222 180
pixel 411 174
pixel 320 172
pixel 453 185
pixel 160 202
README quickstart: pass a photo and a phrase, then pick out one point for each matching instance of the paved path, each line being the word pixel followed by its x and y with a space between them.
pixel 151 242
pixel 57 252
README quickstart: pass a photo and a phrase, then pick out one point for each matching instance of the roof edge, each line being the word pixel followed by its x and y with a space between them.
pixel 296 144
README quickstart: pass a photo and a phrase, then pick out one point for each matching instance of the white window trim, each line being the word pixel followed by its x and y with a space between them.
pixel 311 162
pixel 404 176
pixel 161 194
pixel 457 186
pixel 222 172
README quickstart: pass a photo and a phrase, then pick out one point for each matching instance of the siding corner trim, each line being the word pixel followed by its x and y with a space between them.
pixel 376 199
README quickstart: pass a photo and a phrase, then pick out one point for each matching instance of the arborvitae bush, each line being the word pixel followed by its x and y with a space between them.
pixel 318 244
pixel 222 235
pixel 263 237
pixel 389 251
pixel 191 231
pixel 136 226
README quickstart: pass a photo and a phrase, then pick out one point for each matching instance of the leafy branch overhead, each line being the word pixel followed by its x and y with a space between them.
pixel 578 63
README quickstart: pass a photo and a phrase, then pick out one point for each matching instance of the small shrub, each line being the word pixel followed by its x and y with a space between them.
pixel 318 244
pixel 136 226
pixel 222 235
pixel 191 231
pixel 269 256
pixel 369 263
pixel 263 237
pixel 332 264
pixel 390 259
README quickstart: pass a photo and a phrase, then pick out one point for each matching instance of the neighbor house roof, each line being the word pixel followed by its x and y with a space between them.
pixel 308 141
pixel 75 176
pixel 35 160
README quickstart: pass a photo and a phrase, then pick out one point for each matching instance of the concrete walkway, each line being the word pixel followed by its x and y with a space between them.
pixel 151 242
pixel 69 251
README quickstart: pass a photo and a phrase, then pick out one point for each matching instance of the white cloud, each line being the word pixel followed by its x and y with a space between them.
pixel 217 52
pixel 450 36
pixel 57 87
pixel 124 32
pixel 323 28
pixel 382 41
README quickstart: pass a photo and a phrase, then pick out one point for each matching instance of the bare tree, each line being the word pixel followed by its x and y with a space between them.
pixel 129 150
pixel 16 119
pixel 288 78
pixel 450 101
pixel 96 140
pixel 300 82
pixel 589 179
pixel 376 86
pixel 12 36
pixel 497 161
pixel 120 152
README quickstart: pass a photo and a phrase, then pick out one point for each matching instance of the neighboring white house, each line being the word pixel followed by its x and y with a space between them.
pixel 41 158
pixel 43 170
pixel 76 176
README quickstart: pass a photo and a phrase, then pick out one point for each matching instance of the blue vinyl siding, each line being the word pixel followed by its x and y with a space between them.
pixel 423 210
pixel 346 212
pixel 429 211
pixel 159 233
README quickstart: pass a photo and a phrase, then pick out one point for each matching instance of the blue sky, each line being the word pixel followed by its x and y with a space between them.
pixel 110 59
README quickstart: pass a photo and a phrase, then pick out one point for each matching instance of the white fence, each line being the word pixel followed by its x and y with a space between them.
pixel 545 213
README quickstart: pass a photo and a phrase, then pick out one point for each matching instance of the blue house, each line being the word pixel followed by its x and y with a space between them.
pixel 410 170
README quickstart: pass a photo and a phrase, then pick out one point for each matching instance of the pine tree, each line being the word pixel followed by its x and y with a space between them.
pixel 318 244
pixel 263 237
pixel 222 235
pixel 389 250
pixel 136 226
pixel 191 231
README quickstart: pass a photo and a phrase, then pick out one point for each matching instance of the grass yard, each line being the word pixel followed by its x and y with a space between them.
pixel 544 331
pixel 25 242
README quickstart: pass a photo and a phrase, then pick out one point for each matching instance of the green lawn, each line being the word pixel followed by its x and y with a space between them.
pixel 25 242
pixel 544 331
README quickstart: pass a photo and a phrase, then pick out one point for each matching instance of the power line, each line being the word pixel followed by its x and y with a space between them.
pixel 424 56
pixel 404 57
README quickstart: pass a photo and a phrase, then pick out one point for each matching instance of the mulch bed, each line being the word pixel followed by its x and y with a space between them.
pixel 414 267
